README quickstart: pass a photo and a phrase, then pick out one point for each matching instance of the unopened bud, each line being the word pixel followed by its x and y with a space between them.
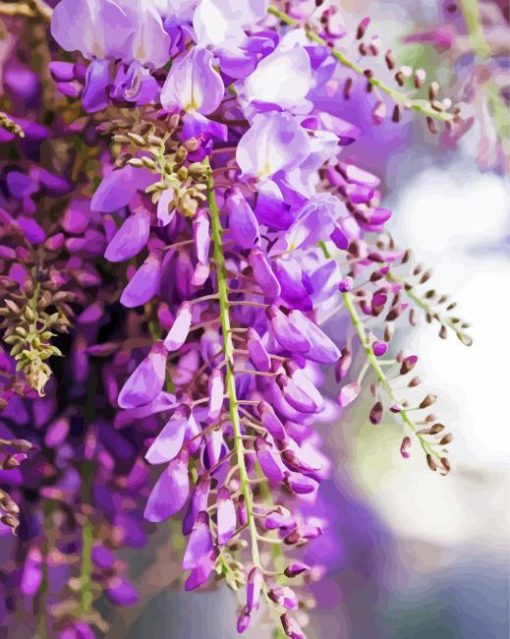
pixel 405 447
pixel 376 413
pixel 428 401
pixel 430 462
pixel 436 428
pixel 408 364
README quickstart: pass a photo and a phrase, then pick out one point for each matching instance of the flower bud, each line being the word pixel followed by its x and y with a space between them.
pixel 295 569
pixel 284 597
pixel 291 627
pixel 404 447
pixel 253 589
pixel 376 413
pixel 408 364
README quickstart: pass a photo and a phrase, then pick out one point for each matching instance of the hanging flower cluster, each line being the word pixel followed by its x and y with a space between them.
pixel 474 38
pixel 185 223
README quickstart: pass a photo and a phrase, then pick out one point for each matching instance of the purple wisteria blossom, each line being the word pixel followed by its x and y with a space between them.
pixel 187 246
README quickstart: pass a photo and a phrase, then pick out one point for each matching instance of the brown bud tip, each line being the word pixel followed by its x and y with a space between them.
pixel 446 439
pixel 430 462
pixel 376 413
pixel 399 78
pixel 428 401
pixel 408 364
pixel 436 428
pixel 362 27
pixel 389 59
pixel 446 464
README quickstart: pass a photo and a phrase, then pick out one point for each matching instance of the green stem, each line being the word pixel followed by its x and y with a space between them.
pixel 376 367
pixel 472 18
pixel 42 630
pixel 228 350
pixel 86 595
pixel 420 106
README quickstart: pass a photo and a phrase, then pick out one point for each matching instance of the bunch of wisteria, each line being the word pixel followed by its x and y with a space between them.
pixel 187 245
pixel 474 36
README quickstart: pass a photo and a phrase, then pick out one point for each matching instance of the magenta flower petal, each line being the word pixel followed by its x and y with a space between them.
pixel 169 493
pixel 200 575
pixel 146 381
pixel 287 334
pixel 300 484
pixel 165 212
pixel 269 461
pixel 122 592
pixel 198 503
pixel 118 189
pixel 144 285
pixel 275 142
pixel 263 273
pixel 178 334
pixel 291 627
pixel 202 236
pixel 130 239
pixel 285 597
pixel 271 422
pixel 216 394
pixel 226 516
pixel 258 353
pixel 85 26
pixel 322 350
pixel 296 396
pixel 168 443
pixel 283 78
pixel 193 84
pixel 254 589
pixel 32 575
pixel 243 224
pixel 348 394
pixel 200 544
pixel 94 97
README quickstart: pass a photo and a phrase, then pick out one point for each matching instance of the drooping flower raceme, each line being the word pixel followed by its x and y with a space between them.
pixel 211 237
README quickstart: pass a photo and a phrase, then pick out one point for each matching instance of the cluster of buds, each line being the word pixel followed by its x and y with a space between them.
pixel 29 319
pixel 151 144
pixel 10 125
pixel 438 308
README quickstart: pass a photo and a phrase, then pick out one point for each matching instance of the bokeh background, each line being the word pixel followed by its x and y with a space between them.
pixel 413 555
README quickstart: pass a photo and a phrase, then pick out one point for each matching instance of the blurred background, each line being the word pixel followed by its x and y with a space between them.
pixel 414 555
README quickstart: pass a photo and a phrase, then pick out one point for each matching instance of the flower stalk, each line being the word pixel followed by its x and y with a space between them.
pixel 420 106
pixel 86 594
pixel 228 350
pixel 375 364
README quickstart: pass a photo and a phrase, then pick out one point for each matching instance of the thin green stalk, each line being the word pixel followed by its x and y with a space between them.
pixel 86 595
pixel 420 106
pixel 42 629
pixel 376 367
pixel 473 20
pixel 228 350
